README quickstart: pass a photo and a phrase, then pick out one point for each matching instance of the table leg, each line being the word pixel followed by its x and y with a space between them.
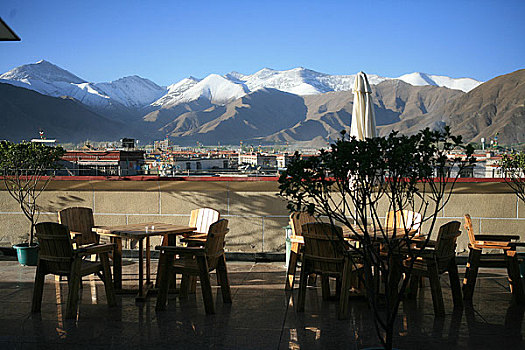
pixel 516 285
pixel 148 261
pixel 117 263
pixel 141 269
pixel 172 241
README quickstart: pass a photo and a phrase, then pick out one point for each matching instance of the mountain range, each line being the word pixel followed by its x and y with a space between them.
pixel 295 106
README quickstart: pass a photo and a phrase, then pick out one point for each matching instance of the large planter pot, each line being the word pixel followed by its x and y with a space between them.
pixel 27 255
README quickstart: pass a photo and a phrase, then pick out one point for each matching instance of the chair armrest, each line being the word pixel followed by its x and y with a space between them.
pixel 297 239
pixel 492 245
pixel 182 250
pixel 95 249
pixel 193 240
pixel 497 238
pixel 427 252
pixel 195 236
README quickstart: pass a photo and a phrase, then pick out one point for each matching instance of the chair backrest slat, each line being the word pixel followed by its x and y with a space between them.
pixel 323 247
pixel 56 251
pixel 404 219
pixel 202 218
pixel 79 219
pixel 470 229
pixel 214 246
pixel 446 242
pixel 298 219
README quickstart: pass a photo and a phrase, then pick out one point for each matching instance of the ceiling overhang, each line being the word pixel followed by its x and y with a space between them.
pixel 6 33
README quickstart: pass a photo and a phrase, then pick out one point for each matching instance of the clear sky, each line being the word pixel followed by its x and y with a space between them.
pixel 166 41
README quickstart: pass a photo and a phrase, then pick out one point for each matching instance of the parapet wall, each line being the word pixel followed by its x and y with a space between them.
pixel 256 214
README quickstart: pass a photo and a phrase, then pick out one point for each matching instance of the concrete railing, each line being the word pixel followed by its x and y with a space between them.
pixel 255 212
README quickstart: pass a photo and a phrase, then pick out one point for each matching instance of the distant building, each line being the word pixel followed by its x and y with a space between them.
pixel 283 160
pixel 195 164
pixel 258 160
pixel 127 143
pixel 47 142
pixel 163 145
pixel 104 163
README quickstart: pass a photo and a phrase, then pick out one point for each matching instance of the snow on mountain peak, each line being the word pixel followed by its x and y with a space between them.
pixel 215 88
pixel 421 79
pixel 42 70
pixel 136 92
pixel 132 91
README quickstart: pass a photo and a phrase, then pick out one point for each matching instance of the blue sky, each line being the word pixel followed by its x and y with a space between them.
pixel 166 41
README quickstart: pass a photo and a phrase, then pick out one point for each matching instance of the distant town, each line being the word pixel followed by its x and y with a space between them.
pixel 165 159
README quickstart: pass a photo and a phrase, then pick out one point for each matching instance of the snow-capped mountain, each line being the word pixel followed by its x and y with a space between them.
pixel 49 79
pixel 421 79
pixel 132 91
pixel 135 92
pixel 215 88
pixel 298 81
pixel 175 91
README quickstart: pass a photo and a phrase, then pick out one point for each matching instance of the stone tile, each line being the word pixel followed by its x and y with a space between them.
pixel 481 205
pixel 183 202
pixel 256 203
pixel 54 201
pixel 126 202
pixel 262 316
pixel 245 234
pixel 503 227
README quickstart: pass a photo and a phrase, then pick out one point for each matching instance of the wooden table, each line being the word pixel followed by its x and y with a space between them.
pixel 380 236
pixel 376 234
pixel 139 232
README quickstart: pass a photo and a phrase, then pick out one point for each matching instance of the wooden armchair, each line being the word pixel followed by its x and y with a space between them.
pixel 196 261
pixel 507 257
pixel 325 254
pixel 437 260
pixel 58 257
pixel 297 220
pixel 80 223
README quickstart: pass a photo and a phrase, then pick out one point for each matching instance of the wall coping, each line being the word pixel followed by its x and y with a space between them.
pixel 218 178
pixel 213 184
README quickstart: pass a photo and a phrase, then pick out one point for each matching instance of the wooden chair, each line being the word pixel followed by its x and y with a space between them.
pixel 405 219
pixel 196 261
pixel 437 260
pixel 297 220
pixel 507 257
pixel 325 254
pixel 80 223
pixel 58 257
pixel 200 218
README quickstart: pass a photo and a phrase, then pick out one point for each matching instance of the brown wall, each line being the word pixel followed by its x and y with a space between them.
pixel 256 214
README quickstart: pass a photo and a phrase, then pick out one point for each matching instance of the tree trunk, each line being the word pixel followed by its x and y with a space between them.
pixel 389 337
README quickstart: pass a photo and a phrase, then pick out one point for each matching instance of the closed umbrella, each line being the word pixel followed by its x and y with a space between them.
pixel 363 116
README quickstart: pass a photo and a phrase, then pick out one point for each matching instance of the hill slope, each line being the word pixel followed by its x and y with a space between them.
pixel 24 112
pixel 495 108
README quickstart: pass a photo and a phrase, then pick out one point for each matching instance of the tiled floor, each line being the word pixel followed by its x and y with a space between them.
pixel 262 316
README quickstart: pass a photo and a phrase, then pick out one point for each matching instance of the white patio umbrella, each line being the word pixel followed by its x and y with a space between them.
pixel 363 116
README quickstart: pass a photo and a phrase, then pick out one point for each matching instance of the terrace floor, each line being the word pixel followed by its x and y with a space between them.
pixel 262 316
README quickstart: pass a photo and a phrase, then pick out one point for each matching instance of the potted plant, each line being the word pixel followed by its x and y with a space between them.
pixel 352 182
pixel 27 168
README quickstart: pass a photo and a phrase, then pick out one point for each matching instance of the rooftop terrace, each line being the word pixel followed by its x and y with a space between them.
pixel 262 316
